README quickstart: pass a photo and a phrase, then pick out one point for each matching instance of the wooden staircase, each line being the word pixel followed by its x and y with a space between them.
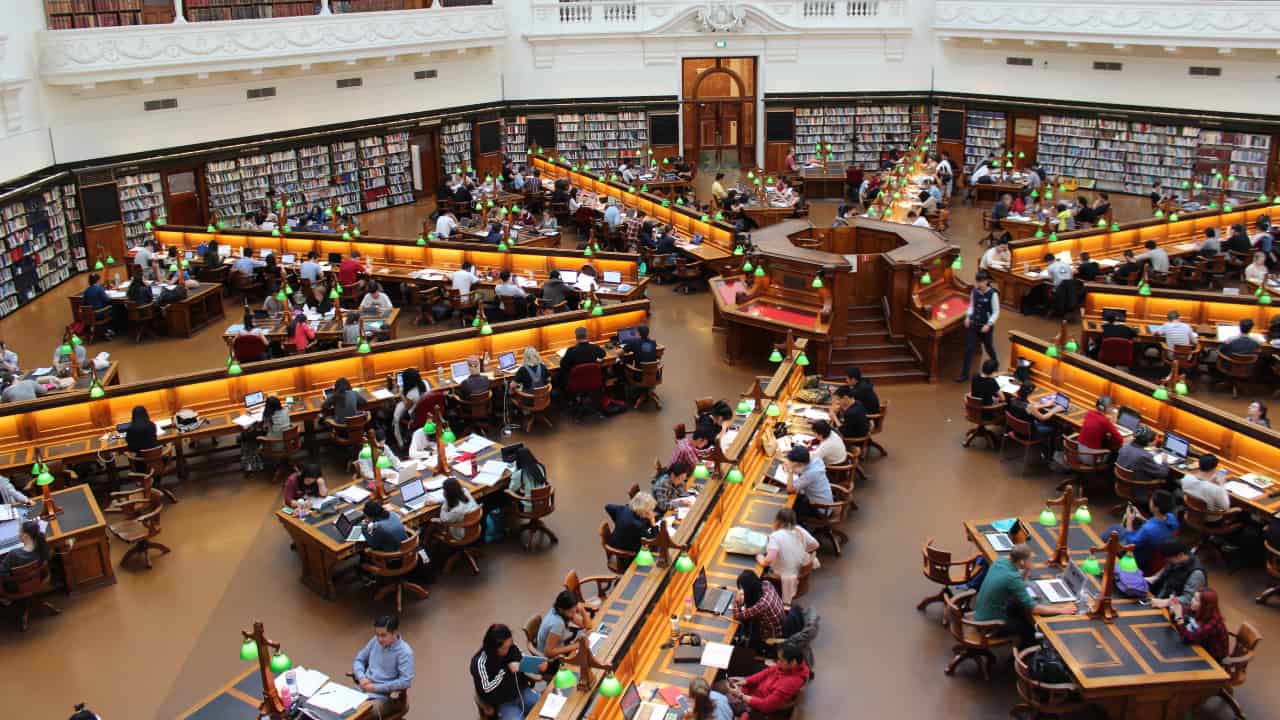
pixel 869 346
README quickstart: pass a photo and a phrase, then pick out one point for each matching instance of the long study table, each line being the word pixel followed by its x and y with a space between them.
pixel 240 698
pixel 1204 311
pixel 328 328
pixel 1242 447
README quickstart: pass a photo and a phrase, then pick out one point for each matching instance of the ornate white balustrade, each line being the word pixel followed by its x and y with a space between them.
pixel 553 19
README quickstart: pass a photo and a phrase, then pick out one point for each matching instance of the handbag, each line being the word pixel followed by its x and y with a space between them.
pixel 1131 583
pixel 1047 666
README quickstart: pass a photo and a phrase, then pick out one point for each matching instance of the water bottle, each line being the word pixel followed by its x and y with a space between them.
pixel 439 375
pixel 688 608
pixel 290 688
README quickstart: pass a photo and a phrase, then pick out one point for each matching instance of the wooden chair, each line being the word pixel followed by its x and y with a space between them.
pixel 1237 664
pixel 646 377
pixel 215 275
pixel 485 709
pixel 93 322
pixel 1084 463
pixel 542 502
pixel 142 524
pixel 844 475
pixel 24 587
pixel 392 569
pixel 246 286
pixel 1214 269
pixel 615 559
pixel 584 387
pixel 534 406
pixel 1196 516
pixel 1237 369
pixel 463 308
pixel 937 566
pixel 858 446
pixel 1162 279
pixel 425 299
pixel 281 452
pixel 982 417
pixel 602 584
pixel 1190 276
pixel 1185 359
pixel 1117 352
pixel 349 434
pixel 828 525
pixel 1273 569
pixel 1043 698
pixel 471 526
pixel 1021 433
pixel 975 639
pixel 531 628
pixel 1131 490
pixel 159 463
pixel 476 411
pixel 509 307
pixel 545 309
pixel 142 320
pixel 251 348
pixel 877 426
pixel 687 273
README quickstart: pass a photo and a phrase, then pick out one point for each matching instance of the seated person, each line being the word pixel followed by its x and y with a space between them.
pixel 997 256
pixel 641 349
pixel 1210 245
pixel 274 303
pixel 1128 268
pixel 707 704
pixel 671 487
pixel 758 607
pixel 1039 414
pixel 1256 413
pixel 583 351
pixel 62 361
pixel 1181 577
pixel 532 373
pixel 830 450
pixel 1003 596
pixel 1201 623
pixel 476 383
pixel 14 388
pixel 863 390
pixel 508 287
pixel 457 504
pixel 1242 344
pixel 807 478
pixel 528 475
pixel 10 495
pixel 375 299
pixel 383 531
pixel 554 290
pixel 561 627
pixel 1098 432
pixel 139 292
pixel 1112 327
pixel 495 675
pixel 790 549
pixel 984 386
pixel 1146 535
pixel 1088 269
pixel 303 485
pixel 1135 455
pixel 34 548
pixel 690 450
pixel 1205 483
pixel 140 435
pixel 1256 271
pixel 634 522
pixel 848 414
pixel 299 333
pixel 246 264
pixel 771 690
pixel 666 244
pixel 343 404
pixel 719 420
pixel 384 665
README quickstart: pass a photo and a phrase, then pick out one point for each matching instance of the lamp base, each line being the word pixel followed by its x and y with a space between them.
pixel 50 509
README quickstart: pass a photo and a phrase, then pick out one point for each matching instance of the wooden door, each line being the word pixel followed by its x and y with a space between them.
pixel 1023 131
pixel 182 198
pixel 428 148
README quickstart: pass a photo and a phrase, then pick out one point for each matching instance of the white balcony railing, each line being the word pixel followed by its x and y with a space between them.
pixel 560 19
pixel 146 52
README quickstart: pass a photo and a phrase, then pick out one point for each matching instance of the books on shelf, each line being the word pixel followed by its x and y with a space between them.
pixel 824 126
pixel 43 243
pixel 141 197
pixel 878 130
pixel 515 137
pixel 455 146
pixel 568 141
pixel 399 170
pixel 373 172
pixel 345 165
pixel 984 134
pixel 69 14
pixel 601 139
pixel 222 179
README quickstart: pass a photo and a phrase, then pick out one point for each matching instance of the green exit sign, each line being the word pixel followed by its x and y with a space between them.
pixel 722 43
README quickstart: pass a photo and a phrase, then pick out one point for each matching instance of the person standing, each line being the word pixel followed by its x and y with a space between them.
pixel 384 666
pixel 980 321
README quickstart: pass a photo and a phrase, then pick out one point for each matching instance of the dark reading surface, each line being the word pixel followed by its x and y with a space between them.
pixel 488 137
pixel 664 130
pixel 951 125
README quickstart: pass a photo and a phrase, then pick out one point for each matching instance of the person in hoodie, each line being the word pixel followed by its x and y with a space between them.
pixel 771 690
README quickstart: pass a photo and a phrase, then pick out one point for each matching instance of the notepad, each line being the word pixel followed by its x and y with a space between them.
pixel 464 467
pixel 1262 482
pixel 383 394
pixel 244 421
pixel 716 655
pixel 1248 492
pixel 337 698
pixel 353 494
pixel 487 479
pixel 493 466
pixel 474 444
pixel 551 705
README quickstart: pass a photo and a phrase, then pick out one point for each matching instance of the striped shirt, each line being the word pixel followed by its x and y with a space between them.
pixel 1177 333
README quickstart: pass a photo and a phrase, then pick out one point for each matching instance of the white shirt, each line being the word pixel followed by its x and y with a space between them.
pixel 310 271
pixel 1058 271
pixel 421 446
pixel 1177 333
pixel 445 225
pixel 509 289
pixel 462 281
pixel 143 257
pixel 376 300
pixel 994 256
pixel 1255 273
pixel 1213 495
pixel 832 450
pixel 945 164
pixel 981 172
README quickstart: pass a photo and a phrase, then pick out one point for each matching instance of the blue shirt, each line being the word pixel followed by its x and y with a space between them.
pixel 813 482
pixel 390 668
pixel 613 216
pixel 1147 538
pixel 310 270
pixel 247 265
pixel 720 709
pixel 95 296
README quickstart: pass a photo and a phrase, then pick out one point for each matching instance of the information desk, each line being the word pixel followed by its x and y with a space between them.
pixel 328 329
pixel 1241 446
pixel 645 599
pixel 321 548
pixel 1204 311
pixel 824 182
pixel 69 428
pixel 1136 668
pixel 78 535
pixel 986 195
pixel 1107 246
pixel 239 700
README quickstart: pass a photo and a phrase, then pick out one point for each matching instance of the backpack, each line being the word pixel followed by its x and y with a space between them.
pixel 1047 666
pixel 495 528
pixel 793 621
pixel 1131 583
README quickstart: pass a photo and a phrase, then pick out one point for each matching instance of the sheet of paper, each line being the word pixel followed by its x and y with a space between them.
pixel 781 473
pixel 551 706
pixel 465 467
pixel 815 413
pixel 493 466
pixel 383 394
pixel 474 444
pixel 716 655
pixel 354 494
pixel 336 698
pixel 1227 332
pixel 1245 491
pixel 244 421
pixel 487 479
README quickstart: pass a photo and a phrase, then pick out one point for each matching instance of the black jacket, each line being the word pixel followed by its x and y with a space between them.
pixel 140 437
pixel 494 682
pixel 629 529
pixel 643 350
pixel 583 352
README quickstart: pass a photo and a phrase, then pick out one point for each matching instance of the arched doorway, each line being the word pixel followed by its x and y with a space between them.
pixel 719 111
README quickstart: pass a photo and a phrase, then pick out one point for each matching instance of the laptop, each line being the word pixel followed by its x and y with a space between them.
pixel 335 259
pixel 569 277
pixel 612 277
pixel 224 251
pixel 712 600
pixel 1176 445
pixel 1000 542
pixel 1120 314
pixel 459 371
pixel 507 362
pixel 288 258
pixel 413 493
pixel 1063 589
pixel 1129 419
pixel 348 530
pixel 633 708
pixel 626 335
pixel 1062 401
pixel 190 255
pixel 266 253
pixel 253 402
pixel 697 239
pixel 9 538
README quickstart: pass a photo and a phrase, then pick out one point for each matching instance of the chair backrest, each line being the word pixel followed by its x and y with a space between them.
pixel 1076 456
pixel 249 348
pixel 536 401
pixel 843 473
pixel 478 406
pixel 1116 351
pixel 647 374
pixel 616 560
pixel 937 563
pixel 470 525
pixel 1237 663
pixel 394 563
pixel 542 501
pixel 584 378
pixel 953 615
pixel 703 404
pixel 350 432
pixel 1237 366
pixel 975 411
pixel 26 580
pixel 1043 696
pixel 139 313
pixel 290 442
pixel 1184 355
pixel 426 407
pixel 877 419
pixel 154 458
pixel 1018 426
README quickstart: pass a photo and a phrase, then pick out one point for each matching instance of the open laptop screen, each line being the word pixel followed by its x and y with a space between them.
pixel 1175 444
pixel 569 276
pixel 254 398
pixel 506 361
pixel 459 371
pixel 1128 419
pixel 612 277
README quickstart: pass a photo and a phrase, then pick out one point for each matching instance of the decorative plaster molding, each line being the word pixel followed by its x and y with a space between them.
pixel 1223 23
pixel 99 55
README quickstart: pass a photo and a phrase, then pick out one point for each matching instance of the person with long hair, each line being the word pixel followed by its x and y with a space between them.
pixel 300 332
pixel 275 421
pixel 140 434
pixel 139 291
pixel 561 627
pixel 303 485
pixel 532 373
pixel 1201 622
pixel 1257 414
pixel 759 608
pixel 412 389
pixel 495 672
pixel 34 549
pixel 708 704
pixel 457 503
pixel 344 403
pixel 527 475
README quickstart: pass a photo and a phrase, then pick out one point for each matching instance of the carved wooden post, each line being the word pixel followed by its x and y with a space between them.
pixel 1102 608
pixel 1068 502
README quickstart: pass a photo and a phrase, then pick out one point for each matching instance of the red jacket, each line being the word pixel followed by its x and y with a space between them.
pixel 773 688
pixel 349 271
pixel 1098 432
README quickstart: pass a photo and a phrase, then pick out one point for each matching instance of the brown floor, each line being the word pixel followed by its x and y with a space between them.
pixel 160 640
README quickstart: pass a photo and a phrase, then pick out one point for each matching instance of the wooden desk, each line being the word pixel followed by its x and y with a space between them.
pixel 525 237
pixel 1104 244
pixel 67 427
pixel 986 195
pixel 327 330
pixel 1017 229
pixel 319 546
pixel 644 600
pixel 1241 446
pixel 79 535
pixel 766 215
pixel 1204 311
pixel 824 182
pixel 1136 668
pixel 201 306
pixel 240 697
pixel 110 376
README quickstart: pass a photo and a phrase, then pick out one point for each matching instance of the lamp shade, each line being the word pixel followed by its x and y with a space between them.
pixel 747 266
pixel 280 663
pixel 958 263
pixel 684 563
pixel 1091 566
pixel 1040 233
pixel 249 650
pixel 45 477
pixel 429 427
pixel 475 321
pixel 486 329
pixel 817 282
pixel 1173 217
pixel 99 266
pixel 802 360
pixel 384 461
pixel 1083 516
pixel 773 410
pixel 366 452
pixel 1180 387
pixel 610 686
pixel 926 279
pixel 759 271
pixel 75 340
pixel 64 349
pixel 1128 564
pixel 1144 289
pixel 586 251
pixel 1160 393
pixel 564 679
pixel 1051 351
pixel 1048 518
pixel 234 368
pixel 775 356
pixel 738 250
pixel 363 348
pixel 597 310
pixel 1264 299
pixel 644 558
pixel 96 391
pixel 448 435
pixel 701 472
pixel 1071 346
pixel 744 407
pixel 334 294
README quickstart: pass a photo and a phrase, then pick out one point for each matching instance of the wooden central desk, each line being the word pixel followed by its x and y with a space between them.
pixel 1241 446
pixel 201 306
pixel 986 195
pixel 78 535
pixel 240 697
pixel 824 182
pixel 525 237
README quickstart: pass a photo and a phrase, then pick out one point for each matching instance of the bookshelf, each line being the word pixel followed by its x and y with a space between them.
pixel 69 14
pixel 211 10
pixel 345 164
pixel 1238 155
pixel 984 133
pixel 255 181
pixel 350 6
pixel 141 196
pixel 373 172
pixel 223 181
pixel 924 119
pixel 515 138
pixel 879 129
pixel 455 145
pixel 284 174
pixel 826 125
pixel 43 244
pixel 632 135
pixel 568 143
pixel 314 177
pixel 399 169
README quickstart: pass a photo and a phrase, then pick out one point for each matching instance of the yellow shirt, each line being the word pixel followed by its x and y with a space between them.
pixel 717 190
pixel 1063 217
